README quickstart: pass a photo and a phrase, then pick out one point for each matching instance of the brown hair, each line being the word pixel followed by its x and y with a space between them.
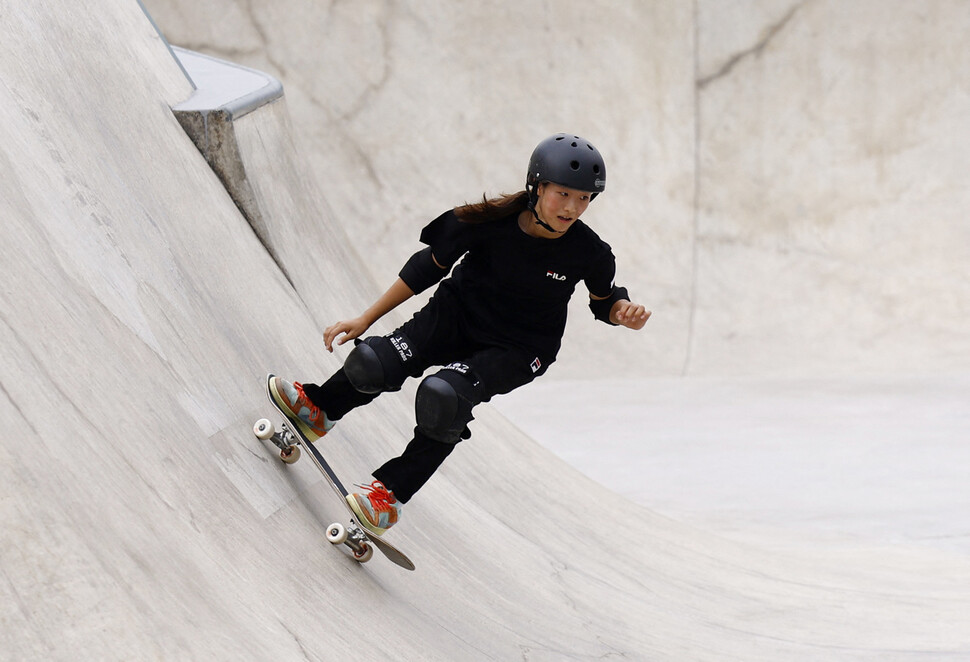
pixel 492 209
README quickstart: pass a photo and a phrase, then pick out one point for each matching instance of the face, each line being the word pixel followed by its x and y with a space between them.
pixel 559 206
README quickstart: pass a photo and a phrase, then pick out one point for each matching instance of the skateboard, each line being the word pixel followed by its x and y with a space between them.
pixel 289 439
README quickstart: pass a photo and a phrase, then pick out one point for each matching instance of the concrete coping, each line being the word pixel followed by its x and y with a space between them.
pixel 225 86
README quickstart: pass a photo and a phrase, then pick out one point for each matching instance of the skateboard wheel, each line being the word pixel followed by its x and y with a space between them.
pixel 365 554
pixel 264 429
pixel 337 534
pixel 290 454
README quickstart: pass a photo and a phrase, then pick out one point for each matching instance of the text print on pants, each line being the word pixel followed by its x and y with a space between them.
pixel 402 347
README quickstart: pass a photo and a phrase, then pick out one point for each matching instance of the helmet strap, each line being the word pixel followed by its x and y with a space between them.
pixel 539 221
pixel 533 199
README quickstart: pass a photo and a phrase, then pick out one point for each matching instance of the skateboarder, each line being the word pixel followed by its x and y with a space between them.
pixel 494 325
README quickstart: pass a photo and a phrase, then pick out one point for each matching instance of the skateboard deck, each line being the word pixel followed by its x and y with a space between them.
pixel 290 439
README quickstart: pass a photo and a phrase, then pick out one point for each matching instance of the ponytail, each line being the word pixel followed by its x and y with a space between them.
pixel 492 209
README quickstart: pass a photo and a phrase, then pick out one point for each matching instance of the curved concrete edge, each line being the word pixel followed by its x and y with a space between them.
pixel 224 92
pixel 225 87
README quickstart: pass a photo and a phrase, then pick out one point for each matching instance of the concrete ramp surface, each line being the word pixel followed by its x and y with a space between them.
pixel 140 517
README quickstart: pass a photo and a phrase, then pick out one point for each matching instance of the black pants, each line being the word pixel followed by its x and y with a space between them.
pixel 440 335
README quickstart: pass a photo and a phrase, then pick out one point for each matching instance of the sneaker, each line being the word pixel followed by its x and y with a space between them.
pixel 378 510
pixel 311 420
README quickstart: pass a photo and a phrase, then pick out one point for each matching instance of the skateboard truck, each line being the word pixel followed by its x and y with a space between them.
pixel 284 439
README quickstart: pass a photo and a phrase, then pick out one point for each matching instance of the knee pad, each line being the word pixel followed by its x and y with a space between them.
pixel 379 363
pixel 444 401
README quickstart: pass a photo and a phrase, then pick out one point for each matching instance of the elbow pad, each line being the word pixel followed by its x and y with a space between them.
pixel 601 307
pixel 420 272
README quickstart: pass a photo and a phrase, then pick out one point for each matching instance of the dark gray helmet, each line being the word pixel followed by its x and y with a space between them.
pixel 566 160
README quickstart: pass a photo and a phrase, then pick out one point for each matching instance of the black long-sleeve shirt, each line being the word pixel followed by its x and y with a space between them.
pixel 515 288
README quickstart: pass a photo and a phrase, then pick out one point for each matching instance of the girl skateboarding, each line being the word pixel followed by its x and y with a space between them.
pixel 494 325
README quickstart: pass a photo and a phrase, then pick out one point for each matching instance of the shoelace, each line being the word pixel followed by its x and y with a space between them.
pixel 378 496
pixel 314 410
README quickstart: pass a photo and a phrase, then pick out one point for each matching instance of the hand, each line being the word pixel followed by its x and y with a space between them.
pixel 349 329
pixel 629 314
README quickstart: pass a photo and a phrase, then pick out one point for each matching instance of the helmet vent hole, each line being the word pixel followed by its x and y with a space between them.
pixel 596 169
pixel 574 165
